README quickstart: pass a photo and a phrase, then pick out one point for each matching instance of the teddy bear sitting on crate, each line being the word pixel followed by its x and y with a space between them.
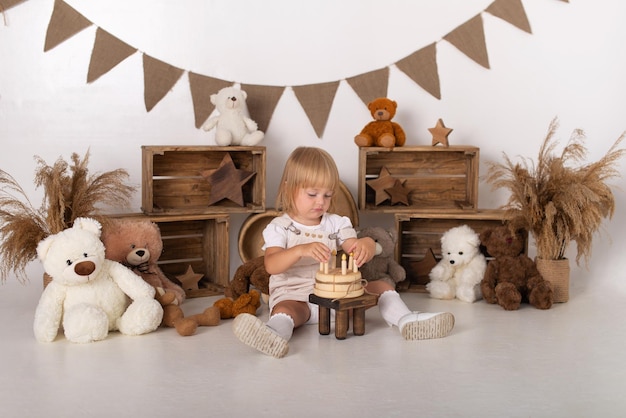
pixel 233 125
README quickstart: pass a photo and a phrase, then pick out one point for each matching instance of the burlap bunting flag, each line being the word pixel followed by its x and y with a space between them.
pixel 202 87
pixel 7 4
pixel 158 79
pixel 262 101
pixel 371 85
pixel 469 38
pixel 421 67
pixel 316 100
pixel 64 23
pixel 511 11
pixel 108 51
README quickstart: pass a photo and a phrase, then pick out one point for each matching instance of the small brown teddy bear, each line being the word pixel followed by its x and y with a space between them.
pixel 174 317
pixel 381 132
pixel 252 272
pixel 383 266
pixel 245 303
pixel 512 277
pixel 137 244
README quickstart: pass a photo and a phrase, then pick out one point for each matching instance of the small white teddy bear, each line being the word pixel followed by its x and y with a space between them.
pixel 90 295
pixel 233 125
pixel 461 268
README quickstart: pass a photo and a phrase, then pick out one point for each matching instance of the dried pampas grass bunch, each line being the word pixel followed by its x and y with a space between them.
pixel 67 196
pixel 559 198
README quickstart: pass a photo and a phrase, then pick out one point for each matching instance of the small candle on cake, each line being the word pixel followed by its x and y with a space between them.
pixel 344 266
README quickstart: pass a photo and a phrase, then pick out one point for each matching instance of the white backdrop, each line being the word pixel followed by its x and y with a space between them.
pixel 572 67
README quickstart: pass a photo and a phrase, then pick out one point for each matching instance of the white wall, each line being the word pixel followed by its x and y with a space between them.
pixel 572 66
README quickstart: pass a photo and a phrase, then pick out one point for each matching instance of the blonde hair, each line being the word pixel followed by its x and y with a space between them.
pixel 306 167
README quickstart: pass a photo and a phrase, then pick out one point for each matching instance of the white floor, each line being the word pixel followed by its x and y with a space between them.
pixel 564 362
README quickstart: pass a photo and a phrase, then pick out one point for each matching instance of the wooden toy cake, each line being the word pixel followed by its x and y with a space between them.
pixel 338 282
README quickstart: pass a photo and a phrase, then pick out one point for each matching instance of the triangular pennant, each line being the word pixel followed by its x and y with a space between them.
pixel 371 85
pixel 469 38
pixel 108 51
pixel 261 102
pixel 7 4
pixel 316 100
pixel 421 67
pixel 158 79
pixel 512 11
pixel 64 23
pixel 202 87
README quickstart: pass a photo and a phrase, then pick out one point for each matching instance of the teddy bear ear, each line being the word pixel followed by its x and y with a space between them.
pixel 244 94
pixel 44 246
pixel 88 224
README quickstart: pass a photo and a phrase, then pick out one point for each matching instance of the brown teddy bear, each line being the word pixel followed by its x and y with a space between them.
pixel 137 244
pixel 381 132
pixel 511 276
pixel 252 272
pixel 245 303
pixel 383 266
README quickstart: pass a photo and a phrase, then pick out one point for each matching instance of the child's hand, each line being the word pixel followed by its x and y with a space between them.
pixel 363 250
pixel 316 250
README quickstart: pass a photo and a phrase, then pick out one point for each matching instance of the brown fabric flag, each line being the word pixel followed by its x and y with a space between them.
pixel 317 100
pixel 370 85
pixel 512 11
pixel 158 79
pixel 469 38
pixel 108 51
pixel 261 102
pixel 64 23
pixel 421 67
pixel 7 4
pixel 202 87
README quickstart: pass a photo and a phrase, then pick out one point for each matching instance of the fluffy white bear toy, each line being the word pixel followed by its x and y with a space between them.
pixel 461 268
pixel 233 125
pixel 90 295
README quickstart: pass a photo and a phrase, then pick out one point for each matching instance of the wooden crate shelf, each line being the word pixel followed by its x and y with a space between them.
pixel 436 178
pixel 199 241
pixel 419 233
pixel 173 182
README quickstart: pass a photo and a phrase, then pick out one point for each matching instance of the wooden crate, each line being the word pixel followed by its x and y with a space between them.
pixel 436 178
pixel 199 241
pixel 172 180
pixel 420 233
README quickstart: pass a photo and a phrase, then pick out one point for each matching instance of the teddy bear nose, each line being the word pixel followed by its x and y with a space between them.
pixel 140 253
pixel 84 268
pixel 451 261
pixel 234 99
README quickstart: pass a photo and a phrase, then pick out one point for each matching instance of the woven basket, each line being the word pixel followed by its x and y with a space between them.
pixel 557 273
pixel 251 232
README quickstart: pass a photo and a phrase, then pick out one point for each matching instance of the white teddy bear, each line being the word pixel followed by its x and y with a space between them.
pixel 90 295
pixel 461 268
pixel 233 126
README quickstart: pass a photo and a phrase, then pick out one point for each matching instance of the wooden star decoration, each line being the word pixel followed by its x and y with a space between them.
pixel 399 193
pixel 227 181
pixel 189 280
pixel 440 134
pixel 384 181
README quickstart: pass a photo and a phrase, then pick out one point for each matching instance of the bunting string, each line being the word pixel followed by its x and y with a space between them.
pixel 316 99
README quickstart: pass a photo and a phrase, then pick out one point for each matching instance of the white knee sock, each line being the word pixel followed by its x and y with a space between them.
pixel 392 307
pixel 282 324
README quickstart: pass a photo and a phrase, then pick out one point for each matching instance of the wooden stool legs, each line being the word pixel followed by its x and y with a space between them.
pixel 343 308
